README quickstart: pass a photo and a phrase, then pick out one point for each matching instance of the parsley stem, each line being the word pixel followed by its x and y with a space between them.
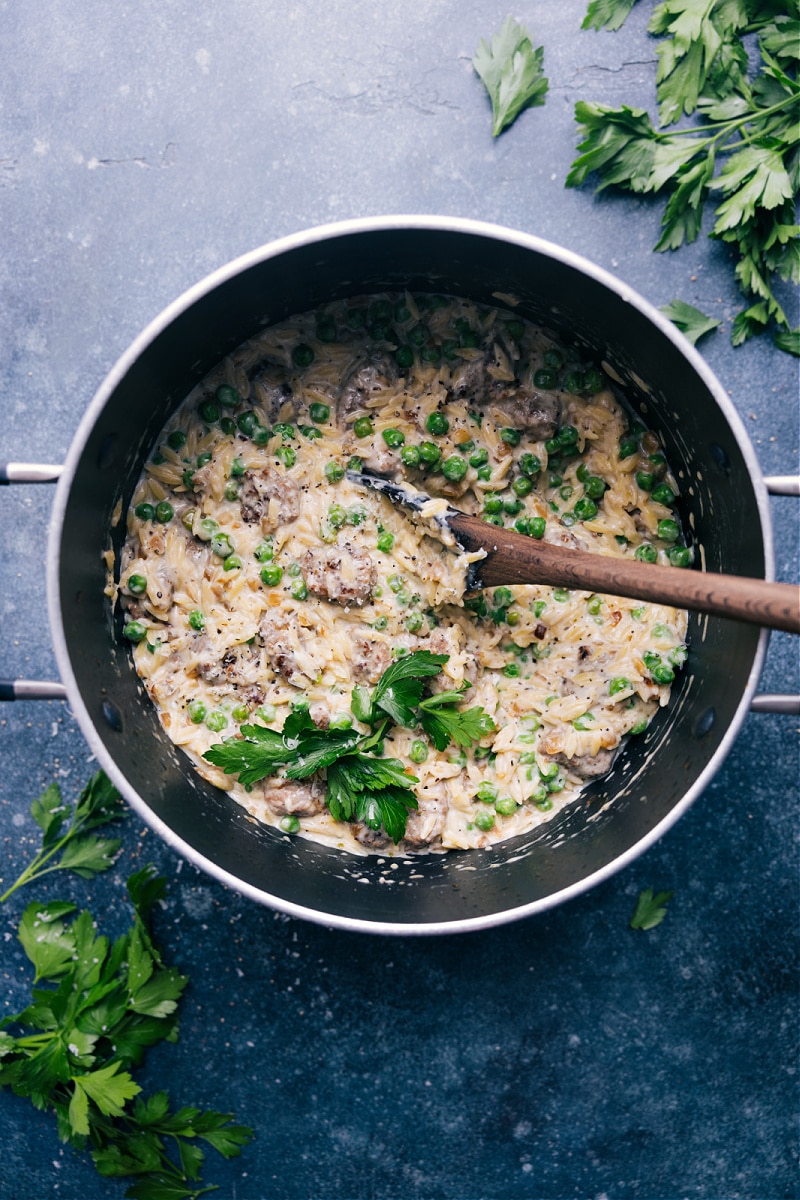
pixel 730 124
pixel 35 867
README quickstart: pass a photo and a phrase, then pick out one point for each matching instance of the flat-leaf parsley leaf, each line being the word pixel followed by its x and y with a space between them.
pixel 511 69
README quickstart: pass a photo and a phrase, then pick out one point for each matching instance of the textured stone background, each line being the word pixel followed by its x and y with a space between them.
pixel 142 146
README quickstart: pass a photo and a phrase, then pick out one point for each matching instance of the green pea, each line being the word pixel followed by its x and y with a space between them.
pixel 135 631
pixel 363 427
pixel 145 512
pixel 419 334
pixel 164 512
pixel 335 471
pixel 430 354
pixel 585 509
pixel 506 806
pixel 522 525
pixel 410 456
pixel 267 713
pixel 394 438
pixel 232 563
pixel 396 583
pixel 341 720
pixel 512 670
pixel 326 329
pixel 552 446
pixel 646 553
pixel 209 411
pixel 663 673
pixel 595 381
pixel 479 458
pixel 302 356
pixel 556 784
pixel 222 545
pixel 356 515
pixel 619 684
pixel 337 516
pixel 584 722
pixel 537 527
pixel 380 622
pixel 404 357
pixel 512 437
pixel 545 378
pixel 485 473
pixel 567 435
pixel 299 590
pixel 414 622
pixel 289 824
pixel 327 532
pixel 530 465
pixel 485 821
pixel 543 803
pixel 668 530
pixel 553 358
pixel 594 487
pixel 522 486
pixel 680 556
pixel 247 422
pixel 487 792
pixel 240 712
pixel 227 396
pixel 574 381
pixel 492 503
pixel 260 435
pixel 319 413
pixel 454 469
pixel 515 328
pixel 216 720
pixel 380 310
pixel 429 453
pixel 264 552
pixel 176 439
pixel 437 424
pixel 663 494
pixel 294 569
pixel 228 426
pixel 561 594
pixel 271 575
pixel 286 455
pixel 628 446
pixel 512 506
pixel 503 595
pixel 418 752
pixel 197 711
pixel 645 480
pixel 232 489
pixel 197 620
pixel 137 584
pixel 385 542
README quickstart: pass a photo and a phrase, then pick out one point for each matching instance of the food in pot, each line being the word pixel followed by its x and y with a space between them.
pixel 314 651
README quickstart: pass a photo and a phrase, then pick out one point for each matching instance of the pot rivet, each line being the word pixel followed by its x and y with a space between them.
pixel 704 723
pixel 112 715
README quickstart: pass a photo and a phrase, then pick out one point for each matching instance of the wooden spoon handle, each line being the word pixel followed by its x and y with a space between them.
pixel 514 558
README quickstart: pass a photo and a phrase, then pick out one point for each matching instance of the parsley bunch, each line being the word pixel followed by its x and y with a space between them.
pixel 73 1046
pixel 747 148
pixel 360 785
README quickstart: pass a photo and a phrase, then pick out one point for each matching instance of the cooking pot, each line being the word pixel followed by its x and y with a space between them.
pixel 656 777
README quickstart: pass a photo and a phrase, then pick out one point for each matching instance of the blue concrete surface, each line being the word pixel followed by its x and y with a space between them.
pixel 564 1056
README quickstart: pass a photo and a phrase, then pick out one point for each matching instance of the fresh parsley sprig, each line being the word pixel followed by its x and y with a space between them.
pixel 747 147
pixel 72 1048
pixel 360 785
pixel 650 909
pixel 67 843
pixel 693 323
pixel 510 67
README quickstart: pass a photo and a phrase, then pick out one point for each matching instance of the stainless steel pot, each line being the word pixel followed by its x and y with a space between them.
pixel 656 778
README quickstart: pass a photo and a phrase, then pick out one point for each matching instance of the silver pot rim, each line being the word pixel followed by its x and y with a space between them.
pixel 304 238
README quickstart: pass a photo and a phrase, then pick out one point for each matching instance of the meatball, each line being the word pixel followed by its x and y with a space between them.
pixel 342 574
pixel 372 657
pixel 259 489
pixel 273 392
pixel 426 824
pixel 287 799
pixel 365 381
pixel 537 412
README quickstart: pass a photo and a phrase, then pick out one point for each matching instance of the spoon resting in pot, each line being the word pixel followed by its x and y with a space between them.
pixel 514 558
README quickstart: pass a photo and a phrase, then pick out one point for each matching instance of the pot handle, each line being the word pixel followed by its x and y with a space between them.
pixel 35 689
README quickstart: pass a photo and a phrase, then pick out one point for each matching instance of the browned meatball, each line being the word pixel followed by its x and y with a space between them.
pixel 372 657
pixel 342 574
pixel 287 799
pixel 258 489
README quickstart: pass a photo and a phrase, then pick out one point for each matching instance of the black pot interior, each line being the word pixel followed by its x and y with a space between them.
pixel 654 772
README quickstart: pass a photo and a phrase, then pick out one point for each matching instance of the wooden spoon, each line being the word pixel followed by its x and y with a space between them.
pixel 513 557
